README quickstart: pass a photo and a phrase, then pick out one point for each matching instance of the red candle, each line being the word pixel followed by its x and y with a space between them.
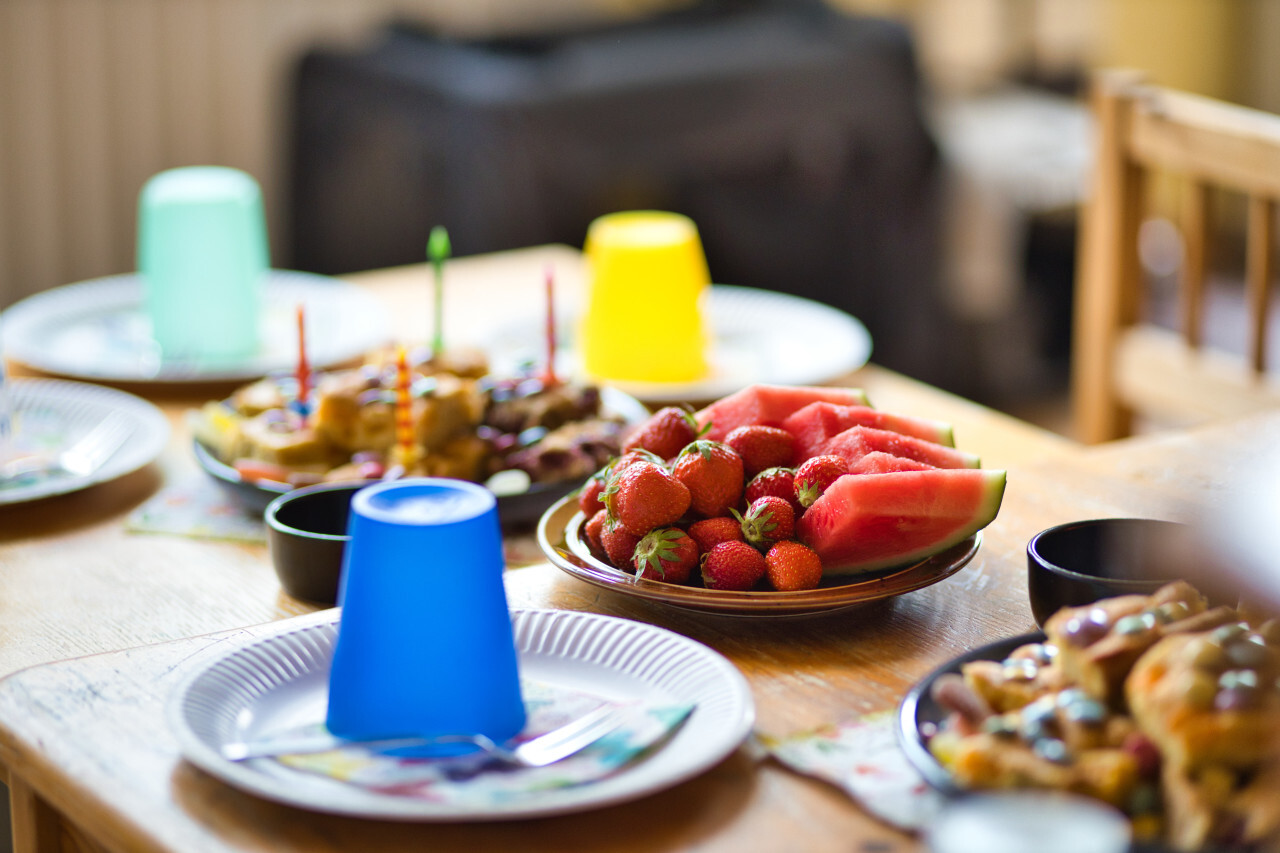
pixel 304 371
pixel 549 371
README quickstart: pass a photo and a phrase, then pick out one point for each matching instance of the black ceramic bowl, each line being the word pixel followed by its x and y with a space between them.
pixel 1084 561
pixel 307 535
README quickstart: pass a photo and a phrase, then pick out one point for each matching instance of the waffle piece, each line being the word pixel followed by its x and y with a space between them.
pixel 356 411
pixel 276 437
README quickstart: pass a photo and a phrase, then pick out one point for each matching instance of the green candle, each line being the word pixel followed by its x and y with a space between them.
pixel 438 250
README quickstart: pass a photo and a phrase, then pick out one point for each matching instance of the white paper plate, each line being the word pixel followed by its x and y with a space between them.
pixel 98 329
pixel 53 414
pixel 282 680
pixel 757 336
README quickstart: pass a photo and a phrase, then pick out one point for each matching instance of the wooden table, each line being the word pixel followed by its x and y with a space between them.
pixel 88 758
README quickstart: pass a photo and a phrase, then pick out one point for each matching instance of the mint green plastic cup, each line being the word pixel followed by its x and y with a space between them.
pixel 203 257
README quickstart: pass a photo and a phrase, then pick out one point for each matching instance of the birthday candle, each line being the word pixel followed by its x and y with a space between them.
pixel 405 454
pixel 549 371
pixel 304 370
pixel 438 249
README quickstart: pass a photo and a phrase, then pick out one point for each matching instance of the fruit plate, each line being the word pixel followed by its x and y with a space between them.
pixel 514 509
pixel 919 716
pixel 560 537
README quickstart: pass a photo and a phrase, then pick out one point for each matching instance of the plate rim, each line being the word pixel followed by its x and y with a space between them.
pixel 664 393
pixel 23 319
pixel 554 529
pixel 611 790
pixel 151 433
pixel 917 701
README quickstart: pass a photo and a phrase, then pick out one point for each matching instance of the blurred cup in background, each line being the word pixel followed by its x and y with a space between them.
pixel 647 281
pixel 203 257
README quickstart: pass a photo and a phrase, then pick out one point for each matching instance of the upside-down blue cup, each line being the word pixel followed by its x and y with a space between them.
pixel 425 646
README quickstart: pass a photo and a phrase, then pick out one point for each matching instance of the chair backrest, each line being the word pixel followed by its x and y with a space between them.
pixel 1123 366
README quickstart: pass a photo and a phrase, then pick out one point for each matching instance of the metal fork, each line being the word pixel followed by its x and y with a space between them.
pixel 89 453
pixel 549 748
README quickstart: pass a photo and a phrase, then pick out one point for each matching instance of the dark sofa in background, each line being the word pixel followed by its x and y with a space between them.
pixel 791 133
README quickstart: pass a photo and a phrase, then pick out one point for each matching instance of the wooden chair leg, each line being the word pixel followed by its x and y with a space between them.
pixel 36 824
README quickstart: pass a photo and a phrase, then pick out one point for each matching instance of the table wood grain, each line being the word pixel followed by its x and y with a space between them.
pixel 97 622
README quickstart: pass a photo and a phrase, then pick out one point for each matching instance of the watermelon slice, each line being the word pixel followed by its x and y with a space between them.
pixel 856 442
pixel 769 405
pixel 879 462
pixel 815 425
pixel 875 521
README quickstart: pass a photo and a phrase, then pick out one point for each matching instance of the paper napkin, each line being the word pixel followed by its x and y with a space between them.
pixel 863 758
pixel 475 784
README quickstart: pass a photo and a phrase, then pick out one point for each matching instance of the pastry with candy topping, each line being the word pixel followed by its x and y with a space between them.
pixel 1098 643
pixel 1211 702
pixel 1064 740
pixel 1028 673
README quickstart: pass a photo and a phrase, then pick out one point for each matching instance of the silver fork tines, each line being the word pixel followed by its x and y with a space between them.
pixel 89 453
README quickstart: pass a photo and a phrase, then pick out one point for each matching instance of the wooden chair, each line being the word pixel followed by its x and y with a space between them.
pixel 1122 365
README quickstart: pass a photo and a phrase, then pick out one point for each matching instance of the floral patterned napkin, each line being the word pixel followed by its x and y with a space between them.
pixel 474 781
pixel 863 758
pixel 197 507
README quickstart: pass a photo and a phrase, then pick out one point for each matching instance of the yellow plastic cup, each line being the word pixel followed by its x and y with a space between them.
pixel 647 280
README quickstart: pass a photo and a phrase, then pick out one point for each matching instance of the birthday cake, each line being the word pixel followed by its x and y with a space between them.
pixel 423 416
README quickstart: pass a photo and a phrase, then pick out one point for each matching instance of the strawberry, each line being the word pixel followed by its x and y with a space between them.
pixel 665 433
pixel 618 544
pixel 589 498
pixel 768 520
pixel 666 554
pixel 732 565
pixel 626 459
pixel 774 481
pixel 713 473
pixel 643 496
pixel 815 474
pixel 710 532
pixel 593 530
pixel 790 565
pixel 761 447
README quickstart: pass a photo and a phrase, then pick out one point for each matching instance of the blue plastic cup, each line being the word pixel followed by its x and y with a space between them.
pixel 203 258
pixel 425 646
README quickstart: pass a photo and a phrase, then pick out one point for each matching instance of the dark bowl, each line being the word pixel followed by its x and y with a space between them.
pixel 307 535
pixel 1083 561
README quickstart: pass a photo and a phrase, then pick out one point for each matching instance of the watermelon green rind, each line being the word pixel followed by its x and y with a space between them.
pixel 769 405
pixel 867 522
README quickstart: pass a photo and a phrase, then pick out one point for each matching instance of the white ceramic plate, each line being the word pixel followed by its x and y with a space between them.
pixel 51 414
pixel 757 336
pixel 282 680
pixel 98 329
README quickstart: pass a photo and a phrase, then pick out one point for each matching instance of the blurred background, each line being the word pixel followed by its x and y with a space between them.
pixel 915 162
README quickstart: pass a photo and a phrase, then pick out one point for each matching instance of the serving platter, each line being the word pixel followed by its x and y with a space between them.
pixel 561 540
pixel 919 716
pixel 515 509
pixel 281 680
